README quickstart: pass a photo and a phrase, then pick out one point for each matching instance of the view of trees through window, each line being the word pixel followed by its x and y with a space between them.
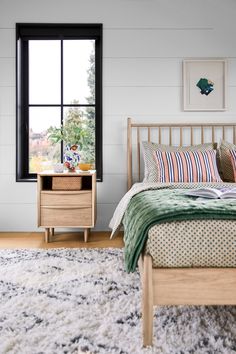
pixel 61 92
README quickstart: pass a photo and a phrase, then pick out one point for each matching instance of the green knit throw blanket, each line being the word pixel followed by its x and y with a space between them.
pixel 157 206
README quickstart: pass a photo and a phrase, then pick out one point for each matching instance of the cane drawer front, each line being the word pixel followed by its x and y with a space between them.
pixel 60 198
pixel 71 216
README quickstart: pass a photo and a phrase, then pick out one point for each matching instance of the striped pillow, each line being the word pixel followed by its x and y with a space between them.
pixel 151 172
pixel 187 166
pixel 233 162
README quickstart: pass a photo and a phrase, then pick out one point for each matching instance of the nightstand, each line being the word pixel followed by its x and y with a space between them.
pixel 66 199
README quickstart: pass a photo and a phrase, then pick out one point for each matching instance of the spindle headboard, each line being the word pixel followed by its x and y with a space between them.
pixel 159 127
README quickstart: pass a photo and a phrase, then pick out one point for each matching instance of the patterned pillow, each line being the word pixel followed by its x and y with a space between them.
pixel 233 161
pixel 151 171
pixel 187 166
pixel 226 160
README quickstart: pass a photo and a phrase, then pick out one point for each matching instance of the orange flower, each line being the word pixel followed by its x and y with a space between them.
pixel 74 147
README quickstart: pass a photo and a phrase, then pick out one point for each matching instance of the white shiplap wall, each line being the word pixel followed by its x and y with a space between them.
pixel 144 44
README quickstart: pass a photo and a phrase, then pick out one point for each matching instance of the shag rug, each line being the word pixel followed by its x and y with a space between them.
pixel 81 301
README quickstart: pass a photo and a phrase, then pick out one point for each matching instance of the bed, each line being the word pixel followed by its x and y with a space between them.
pixel 189 280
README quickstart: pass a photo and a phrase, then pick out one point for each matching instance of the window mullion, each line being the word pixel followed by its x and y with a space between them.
pixel 25 105
pixel 62 96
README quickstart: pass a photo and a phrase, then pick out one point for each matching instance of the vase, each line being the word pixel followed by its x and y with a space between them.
pixel 71 157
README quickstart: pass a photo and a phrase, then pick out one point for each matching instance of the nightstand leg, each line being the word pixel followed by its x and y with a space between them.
pixel 47 234
pixel 52 231
pixel 86 234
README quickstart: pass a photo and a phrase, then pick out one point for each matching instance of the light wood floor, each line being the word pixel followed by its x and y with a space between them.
pixel 73 240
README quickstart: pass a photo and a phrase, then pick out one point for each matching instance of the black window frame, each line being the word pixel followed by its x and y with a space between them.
pixel 49 31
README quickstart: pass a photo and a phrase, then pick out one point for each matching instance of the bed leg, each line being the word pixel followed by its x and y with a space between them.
pixel 147 301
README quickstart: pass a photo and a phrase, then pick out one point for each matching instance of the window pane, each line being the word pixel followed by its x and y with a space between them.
pixel 44 72
pixel 42 154
pixel 79 71
pixel 85 119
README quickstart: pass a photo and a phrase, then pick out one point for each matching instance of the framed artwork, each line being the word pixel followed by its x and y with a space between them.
pixel 204 85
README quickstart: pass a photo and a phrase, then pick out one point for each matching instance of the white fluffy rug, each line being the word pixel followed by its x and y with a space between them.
pixel 81 301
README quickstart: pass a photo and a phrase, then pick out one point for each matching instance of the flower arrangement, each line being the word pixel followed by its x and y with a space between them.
pixel 75 136
pixel 78 136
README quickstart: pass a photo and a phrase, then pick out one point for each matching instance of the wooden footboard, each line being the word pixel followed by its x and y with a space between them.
pixel 182 286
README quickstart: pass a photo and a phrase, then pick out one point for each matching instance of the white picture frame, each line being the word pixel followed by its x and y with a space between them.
pixel 204 84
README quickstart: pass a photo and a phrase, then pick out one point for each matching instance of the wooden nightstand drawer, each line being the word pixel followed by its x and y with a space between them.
pixel 71 216
pixel 79 198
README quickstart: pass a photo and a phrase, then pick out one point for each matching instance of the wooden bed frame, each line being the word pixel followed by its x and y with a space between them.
pixel 178 286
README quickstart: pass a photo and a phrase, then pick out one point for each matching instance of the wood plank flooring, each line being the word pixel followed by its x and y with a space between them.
pixel 67 240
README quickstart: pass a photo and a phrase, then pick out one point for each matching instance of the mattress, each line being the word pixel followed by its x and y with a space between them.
pixel 193 243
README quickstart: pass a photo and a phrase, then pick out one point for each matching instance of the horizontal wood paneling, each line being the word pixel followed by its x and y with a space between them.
pixel 144 45
pixel 18 217
pixel 114 129
pixel 150 72
pixel 172 43
pixel 16 193
pixel 7 40
pixel 145 100
pixel 7 130
pixel 104 215
pixel 142 72
pixel 232 72
pixel 7 72
pixel 7 100
pixel 112 189
pixel 7 159
pixel 122 13
pixel 131 101
pixel 114 158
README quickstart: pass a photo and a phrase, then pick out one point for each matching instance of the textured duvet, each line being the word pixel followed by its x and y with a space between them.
pixel 147 205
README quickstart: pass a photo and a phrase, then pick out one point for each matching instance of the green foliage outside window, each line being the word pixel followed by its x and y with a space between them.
pixel 79 125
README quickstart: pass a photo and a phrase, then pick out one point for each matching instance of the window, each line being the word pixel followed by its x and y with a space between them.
pixel 59 80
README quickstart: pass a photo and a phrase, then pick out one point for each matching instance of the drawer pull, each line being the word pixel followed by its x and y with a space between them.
pixel 65 192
